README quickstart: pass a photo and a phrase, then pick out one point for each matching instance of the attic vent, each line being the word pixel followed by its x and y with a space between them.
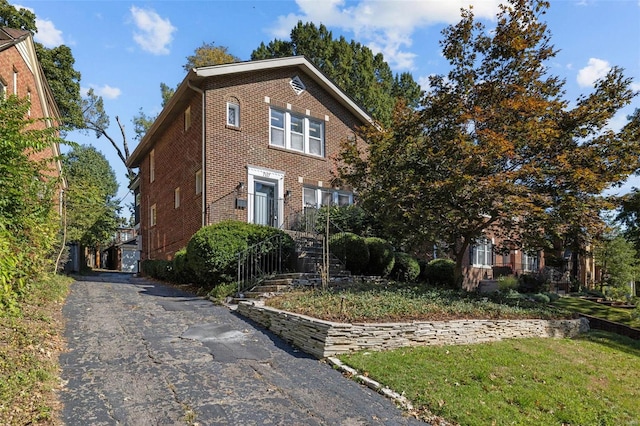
pixel 297 85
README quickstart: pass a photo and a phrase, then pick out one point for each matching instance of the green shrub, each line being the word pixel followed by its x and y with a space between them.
pixel 158 269
pixel 381 256
pixel 541 298
pixel 406 268
pixel 352 249
pixel 349 218
pixel 220 292
pixel 440 272
pixel 181 271
pixel 212 252
pixel 508 283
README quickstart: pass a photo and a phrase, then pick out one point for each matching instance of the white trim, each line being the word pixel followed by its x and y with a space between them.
pixel 268 175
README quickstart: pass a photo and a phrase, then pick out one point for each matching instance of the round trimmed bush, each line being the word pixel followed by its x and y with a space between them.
pixel 440 272
pixel 381 256
pixel 406 268
pixel 351 249
pixel 212 252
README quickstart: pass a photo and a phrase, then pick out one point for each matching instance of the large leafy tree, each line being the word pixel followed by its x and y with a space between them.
pixel 92 211
pixel 494 144
pixel 57 65
pixel 365 77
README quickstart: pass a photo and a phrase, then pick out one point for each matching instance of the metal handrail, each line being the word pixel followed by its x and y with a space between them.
pixel 258 261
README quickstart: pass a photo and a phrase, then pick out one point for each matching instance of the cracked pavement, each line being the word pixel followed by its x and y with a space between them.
pixel 143 353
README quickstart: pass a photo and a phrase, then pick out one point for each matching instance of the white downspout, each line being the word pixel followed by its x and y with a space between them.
pixel 204 168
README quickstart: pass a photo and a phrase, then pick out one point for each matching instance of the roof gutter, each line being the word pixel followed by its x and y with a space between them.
pixel 204 168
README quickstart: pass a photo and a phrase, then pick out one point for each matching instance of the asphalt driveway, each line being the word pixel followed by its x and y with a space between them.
pixel 142 353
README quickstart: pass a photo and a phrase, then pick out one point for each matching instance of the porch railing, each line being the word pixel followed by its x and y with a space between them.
pixel 259 261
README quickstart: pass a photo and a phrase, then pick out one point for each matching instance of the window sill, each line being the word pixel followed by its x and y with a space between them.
pixel 292 151
pixel 230 127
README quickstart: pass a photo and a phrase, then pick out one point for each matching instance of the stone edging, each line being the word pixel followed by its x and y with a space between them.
pixel 325 338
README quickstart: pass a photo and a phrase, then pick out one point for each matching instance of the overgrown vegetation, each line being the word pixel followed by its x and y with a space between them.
pixel 589 380
pixel 393 302
pixel 29 345
pixel 29 225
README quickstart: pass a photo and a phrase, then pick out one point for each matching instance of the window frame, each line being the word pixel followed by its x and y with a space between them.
pixel 482 246
pixel 307 123
pixel 176 198
pixel 153 215
pixel 199 183
pixel 152 165
pixel 187 118
pixel 233 106
pixel 320 199
pixel 530 262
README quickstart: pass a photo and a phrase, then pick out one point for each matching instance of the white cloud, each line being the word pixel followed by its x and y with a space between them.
pixel 385 26
pixel 47 33
pixel 154 33
pixel 106 91
pixel 597 68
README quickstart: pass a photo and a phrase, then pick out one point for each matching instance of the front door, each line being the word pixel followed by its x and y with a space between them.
pixel 265 203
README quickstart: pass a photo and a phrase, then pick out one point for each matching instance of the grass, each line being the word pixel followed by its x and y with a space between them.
pixel 591 380
pixel 29 347
pixel 395 303
pixel 611 313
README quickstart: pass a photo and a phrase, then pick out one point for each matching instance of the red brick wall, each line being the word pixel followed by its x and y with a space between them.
pixel 230 150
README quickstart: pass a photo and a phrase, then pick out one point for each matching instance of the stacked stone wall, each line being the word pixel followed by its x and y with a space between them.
pixel 324 338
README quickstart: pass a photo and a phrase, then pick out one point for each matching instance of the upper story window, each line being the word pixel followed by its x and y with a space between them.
pixel 176 197
pixel 482 253
pixel 29 100
pixel 233 114
pixel 152 165
pixel 199 182
pixel 152 215
pixel 3 90
pixel 187 118
pixel 15 81
pixel 318 197
pixel 296 132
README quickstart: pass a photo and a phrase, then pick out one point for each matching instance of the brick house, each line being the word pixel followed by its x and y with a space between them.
pixel 22 75
pixel 252 141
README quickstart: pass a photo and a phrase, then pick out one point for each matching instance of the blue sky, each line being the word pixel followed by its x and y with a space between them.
pixel 125 49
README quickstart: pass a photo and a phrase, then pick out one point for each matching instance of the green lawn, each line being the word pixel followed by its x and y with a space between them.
pixel 575 304
pixel 591 380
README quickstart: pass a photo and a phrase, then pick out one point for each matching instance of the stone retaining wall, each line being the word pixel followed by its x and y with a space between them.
pixel 324 338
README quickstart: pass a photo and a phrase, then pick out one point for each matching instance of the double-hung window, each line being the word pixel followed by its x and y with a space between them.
pixel 296 132
pixel 482 253
pixel 529 261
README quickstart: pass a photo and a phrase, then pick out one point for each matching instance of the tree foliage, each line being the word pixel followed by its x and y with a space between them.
pixel 209 54
pixel 618 259
pixel 28 222
pixel 365 77
pixel 493 144
pixel 57 64
pixel 91 208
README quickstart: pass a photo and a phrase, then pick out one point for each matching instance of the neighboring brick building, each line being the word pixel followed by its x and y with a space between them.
pixel 269 132
pixel 21 75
